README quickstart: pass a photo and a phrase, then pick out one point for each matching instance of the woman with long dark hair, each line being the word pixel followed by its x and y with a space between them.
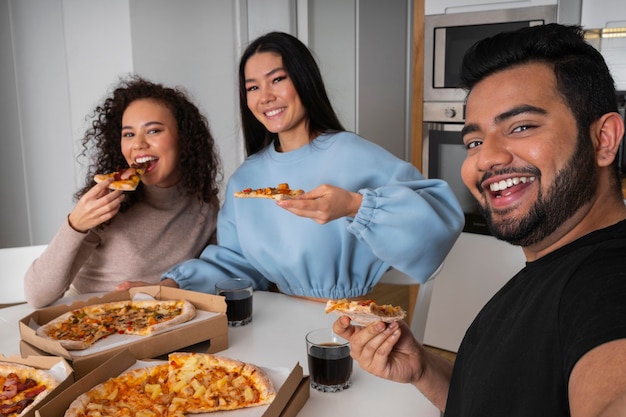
pixel 370 210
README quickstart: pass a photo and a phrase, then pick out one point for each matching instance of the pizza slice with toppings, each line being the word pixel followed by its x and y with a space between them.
pixel 365 311
pixel 282 192
pixel 22 388
pixel 125 179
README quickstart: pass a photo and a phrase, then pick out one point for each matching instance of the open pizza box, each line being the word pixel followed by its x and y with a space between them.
pixel 208 329
pixel 57 367
pixel 291 384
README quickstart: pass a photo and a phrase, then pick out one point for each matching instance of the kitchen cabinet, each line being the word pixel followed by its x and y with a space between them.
pixel 459 6
pixel 603 13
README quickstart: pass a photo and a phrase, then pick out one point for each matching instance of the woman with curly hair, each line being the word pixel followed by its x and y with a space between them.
pixel 113 239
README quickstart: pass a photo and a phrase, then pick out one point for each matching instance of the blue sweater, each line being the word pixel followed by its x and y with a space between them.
pixel 405 221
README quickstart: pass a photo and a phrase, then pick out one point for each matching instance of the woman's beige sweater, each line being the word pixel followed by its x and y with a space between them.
pixel 166 228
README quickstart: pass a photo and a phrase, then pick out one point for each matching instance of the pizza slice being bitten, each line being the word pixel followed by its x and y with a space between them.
pixel 125 179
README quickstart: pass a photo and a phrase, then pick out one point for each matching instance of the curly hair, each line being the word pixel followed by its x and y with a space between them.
pixel 199 160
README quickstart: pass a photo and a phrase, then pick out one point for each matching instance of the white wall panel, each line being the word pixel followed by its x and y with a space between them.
pixel 42 88
pixel 192 44
pixel 14 225
pixel 475 269
pixel 98 52
pixel 382 66
pixel 332 36
pixel 271 15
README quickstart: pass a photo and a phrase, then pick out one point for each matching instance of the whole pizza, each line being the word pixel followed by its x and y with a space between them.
pixel 22 388
pixel 81 328
pixel 188 383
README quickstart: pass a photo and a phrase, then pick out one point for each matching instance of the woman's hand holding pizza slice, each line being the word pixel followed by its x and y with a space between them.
pixel 95 207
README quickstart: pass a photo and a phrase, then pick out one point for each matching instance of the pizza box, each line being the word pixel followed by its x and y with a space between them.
pixel 209 328
pixel 291 396
pixel 57 366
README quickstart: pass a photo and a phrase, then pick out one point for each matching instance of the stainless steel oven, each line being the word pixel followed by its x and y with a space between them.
pixel 446 38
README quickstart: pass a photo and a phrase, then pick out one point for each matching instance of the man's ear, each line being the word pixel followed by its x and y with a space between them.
pixel 607 133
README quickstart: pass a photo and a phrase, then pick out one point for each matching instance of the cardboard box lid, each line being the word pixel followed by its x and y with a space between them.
pixel 44 363
pixel 290 397
pixel 217 325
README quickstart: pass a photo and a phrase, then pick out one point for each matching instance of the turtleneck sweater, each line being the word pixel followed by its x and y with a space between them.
pixel 167 227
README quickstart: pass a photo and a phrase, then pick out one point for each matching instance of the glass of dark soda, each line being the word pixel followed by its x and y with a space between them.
pixel 330 364
pixel 238 295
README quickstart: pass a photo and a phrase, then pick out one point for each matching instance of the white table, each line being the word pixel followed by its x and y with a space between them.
pixel 275 338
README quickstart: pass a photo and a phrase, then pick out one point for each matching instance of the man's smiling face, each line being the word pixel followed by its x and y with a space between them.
pixel 525 163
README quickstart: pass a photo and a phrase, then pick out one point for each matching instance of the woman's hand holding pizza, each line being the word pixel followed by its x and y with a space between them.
pixel 324 204
pixel 95 207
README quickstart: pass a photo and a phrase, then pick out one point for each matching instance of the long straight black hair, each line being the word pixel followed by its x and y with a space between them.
pixel 307 80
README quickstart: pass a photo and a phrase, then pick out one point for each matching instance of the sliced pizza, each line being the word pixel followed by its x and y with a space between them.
pixel 187 383
pixel 139 392
pixel 22 388
pixel 365 311
pixel 125 179
pixel 282 192
pixel 202 383
pixel 81 328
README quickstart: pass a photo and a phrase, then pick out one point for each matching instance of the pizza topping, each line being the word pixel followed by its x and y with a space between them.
pixel 277 193
pixel 81 328
pixel 22 387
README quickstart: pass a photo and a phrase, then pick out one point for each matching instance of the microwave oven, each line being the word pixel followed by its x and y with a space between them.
pixel 448 36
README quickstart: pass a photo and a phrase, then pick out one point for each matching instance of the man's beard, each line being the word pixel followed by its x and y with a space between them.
pixel 575 185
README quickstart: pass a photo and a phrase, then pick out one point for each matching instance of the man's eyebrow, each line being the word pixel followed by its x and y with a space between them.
pixel 472 127
pixel 525 108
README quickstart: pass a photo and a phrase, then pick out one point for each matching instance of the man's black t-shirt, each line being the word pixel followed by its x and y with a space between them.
pixel 517 356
